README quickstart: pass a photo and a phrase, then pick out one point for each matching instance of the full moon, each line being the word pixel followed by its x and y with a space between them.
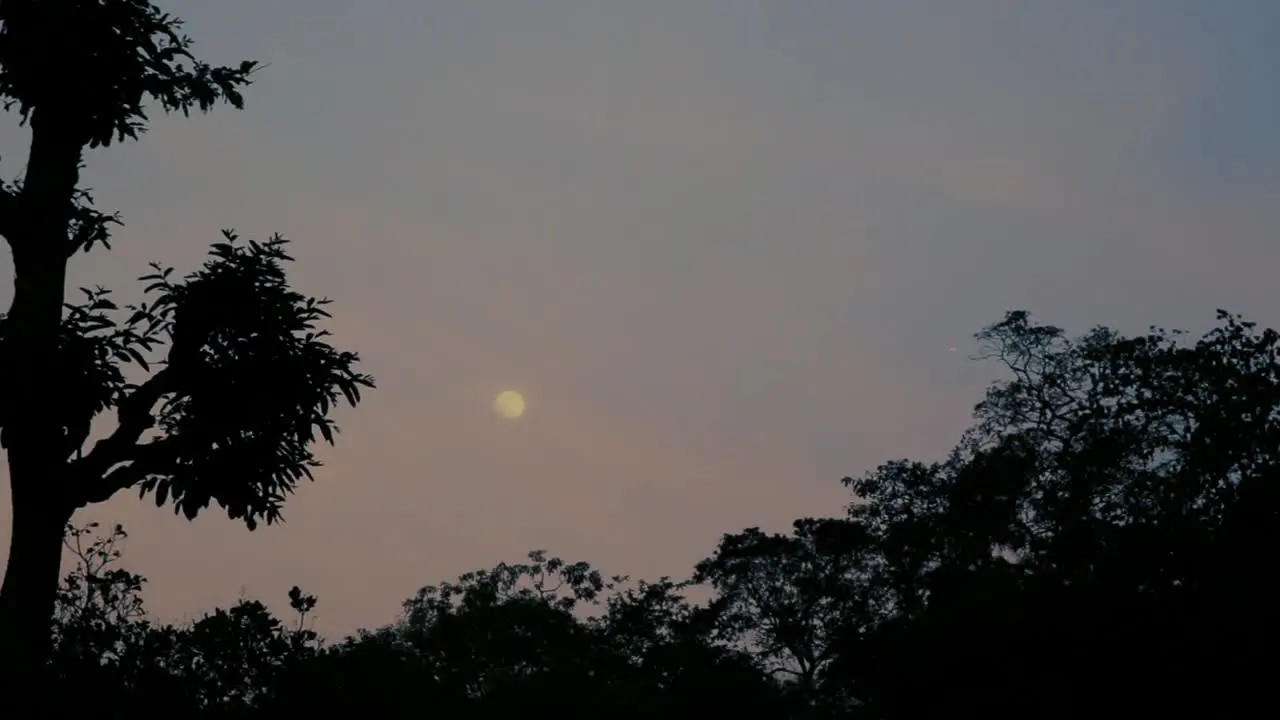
pixel 509 404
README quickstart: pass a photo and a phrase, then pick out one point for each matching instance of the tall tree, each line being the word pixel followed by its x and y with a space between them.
pixel 230 409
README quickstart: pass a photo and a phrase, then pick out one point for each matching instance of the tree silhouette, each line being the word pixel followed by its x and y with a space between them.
pixel 542 635
pixel 228 413
pixel 1109 511
pixel 788 599
pixel 1097 542
pixel 118 662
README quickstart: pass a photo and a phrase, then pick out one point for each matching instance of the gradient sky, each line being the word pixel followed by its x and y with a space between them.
pixel 723 246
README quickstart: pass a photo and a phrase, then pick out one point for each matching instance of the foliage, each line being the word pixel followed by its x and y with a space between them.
pixel 788 599
pixel 247 384
pixel 251 381
pixel 1092 541
pixel 104 61
pixel 1093 520
pixel 248 380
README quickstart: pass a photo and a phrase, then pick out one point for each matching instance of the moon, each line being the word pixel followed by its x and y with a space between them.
pixel 509 404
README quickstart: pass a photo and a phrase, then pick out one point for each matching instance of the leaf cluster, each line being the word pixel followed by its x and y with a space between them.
pixel 249 387
pixel 91 67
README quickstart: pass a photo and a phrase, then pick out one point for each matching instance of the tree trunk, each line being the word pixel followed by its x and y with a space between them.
pixel 33 394
pixel 30 583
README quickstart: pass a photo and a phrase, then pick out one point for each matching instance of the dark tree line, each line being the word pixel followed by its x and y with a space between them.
pixel 1096 542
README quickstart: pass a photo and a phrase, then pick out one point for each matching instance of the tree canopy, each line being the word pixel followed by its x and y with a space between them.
pixel 1093 543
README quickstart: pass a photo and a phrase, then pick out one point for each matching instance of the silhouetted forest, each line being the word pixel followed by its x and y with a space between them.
pixel 1096 542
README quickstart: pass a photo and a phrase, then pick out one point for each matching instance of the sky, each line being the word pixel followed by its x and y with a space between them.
pixel 723 248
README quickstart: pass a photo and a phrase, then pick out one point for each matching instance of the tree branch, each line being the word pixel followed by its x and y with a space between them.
pixel 144 460
pixel 92 475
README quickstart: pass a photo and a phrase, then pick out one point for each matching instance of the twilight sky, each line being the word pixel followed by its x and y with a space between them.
pixel 723 247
